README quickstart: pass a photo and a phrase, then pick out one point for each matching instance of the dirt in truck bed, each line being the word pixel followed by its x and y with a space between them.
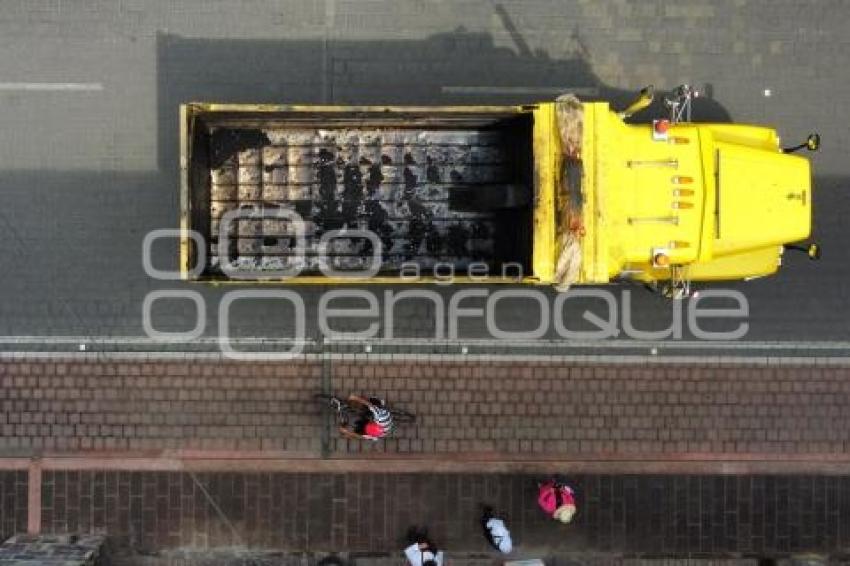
pixel 430 196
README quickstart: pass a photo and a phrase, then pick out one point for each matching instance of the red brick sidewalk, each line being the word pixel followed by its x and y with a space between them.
pixel 227 453
pixel 492 410
pixel 667 515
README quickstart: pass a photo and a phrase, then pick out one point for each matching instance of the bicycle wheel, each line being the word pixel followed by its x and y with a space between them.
pixel 335 404
pixel 340 408
pixel 324 399
pixel 402 417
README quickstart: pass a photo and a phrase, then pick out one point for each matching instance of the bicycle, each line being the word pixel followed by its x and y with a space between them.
pixel 344 411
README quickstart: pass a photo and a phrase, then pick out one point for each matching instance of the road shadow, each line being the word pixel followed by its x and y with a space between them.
pixel 458 67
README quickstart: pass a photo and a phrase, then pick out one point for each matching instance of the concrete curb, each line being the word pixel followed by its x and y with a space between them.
pixel 246 462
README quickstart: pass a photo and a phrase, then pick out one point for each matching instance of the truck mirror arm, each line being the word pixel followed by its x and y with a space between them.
pixel 812 143
pixel 644 99
pixel 813 250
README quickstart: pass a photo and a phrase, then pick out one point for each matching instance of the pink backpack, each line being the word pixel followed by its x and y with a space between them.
pixel 551 496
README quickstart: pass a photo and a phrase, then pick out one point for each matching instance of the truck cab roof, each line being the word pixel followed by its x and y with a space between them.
pixel 720 199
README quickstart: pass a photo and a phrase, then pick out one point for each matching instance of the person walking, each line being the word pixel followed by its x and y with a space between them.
pixel 420 550
pixel 557 500
pixel 495 531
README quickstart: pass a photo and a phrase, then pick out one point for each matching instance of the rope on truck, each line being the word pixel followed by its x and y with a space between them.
pixel 569 114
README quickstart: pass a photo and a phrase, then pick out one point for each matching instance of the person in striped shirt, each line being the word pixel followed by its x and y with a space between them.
pixel 373 421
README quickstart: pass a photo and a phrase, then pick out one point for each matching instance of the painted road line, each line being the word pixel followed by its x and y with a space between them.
pixel 52 87
pixel 446 463
pixel 609 359
pixel 821 354
pixel 601 344
pixel 430 343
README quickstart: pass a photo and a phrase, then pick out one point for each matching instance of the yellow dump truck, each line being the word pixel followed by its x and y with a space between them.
pixel 557 193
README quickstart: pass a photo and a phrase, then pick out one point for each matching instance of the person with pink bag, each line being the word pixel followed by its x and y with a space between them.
pixel 557 500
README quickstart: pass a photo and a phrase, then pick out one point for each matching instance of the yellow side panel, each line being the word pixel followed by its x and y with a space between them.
pixel 745 265
pixel 546 142
pixel 653 209
pixel 185 209
pixel 634 200
pixel 755 263
pixel 594 260
pixel 330 109
pixel 378 280
pixel 744 135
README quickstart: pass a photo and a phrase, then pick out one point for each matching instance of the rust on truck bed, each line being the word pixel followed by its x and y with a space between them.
pixel 434 188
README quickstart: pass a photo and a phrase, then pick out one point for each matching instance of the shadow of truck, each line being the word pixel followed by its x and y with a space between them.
pixel 457 67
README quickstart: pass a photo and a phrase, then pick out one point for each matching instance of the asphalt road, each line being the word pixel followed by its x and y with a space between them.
pixel 88 129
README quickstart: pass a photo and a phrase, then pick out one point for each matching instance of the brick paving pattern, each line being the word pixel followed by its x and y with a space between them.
pixel 24 550
pixel 527 410
pixel 13 503
pixel 631 515
pixel 259 558
pixel 496 407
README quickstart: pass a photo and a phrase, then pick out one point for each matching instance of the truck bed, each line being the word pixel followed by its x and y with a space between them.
pixel 433 188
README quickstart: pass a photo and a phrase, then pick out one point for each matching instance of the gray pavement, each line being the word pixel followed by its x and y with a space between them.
pixel 90 164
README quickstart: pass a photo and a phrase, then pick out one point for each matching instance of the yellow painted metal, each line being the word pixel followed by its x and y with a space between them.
pixel 378 280
pixel 296 108
pixel 185 201
pixel 635 202
pixel 744 265
pixel 764 199
pixel 546 146
pixel 593 260
pixel 635 208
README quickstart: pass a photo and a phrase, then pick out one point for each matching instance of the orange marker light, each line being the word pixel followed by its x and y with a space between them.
pixel 682 180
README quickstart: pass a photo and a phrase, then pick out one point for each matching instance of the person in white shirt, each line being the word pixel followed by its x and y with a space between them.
pixel 421 551
pixel 496 532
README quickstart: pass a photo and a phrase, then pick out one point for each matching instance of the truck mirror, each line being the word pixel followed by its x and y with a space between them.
pixel 813 252
pixel 813 143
